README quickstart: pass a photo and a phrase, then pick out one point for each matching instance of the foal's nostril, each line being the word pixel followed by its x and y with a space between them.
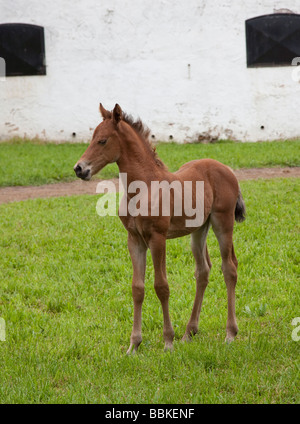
pixel 78 169
pixel 83 171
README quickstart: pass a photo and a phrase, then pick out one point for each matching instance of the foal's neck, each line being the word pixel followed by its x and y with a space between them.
pixel 137 160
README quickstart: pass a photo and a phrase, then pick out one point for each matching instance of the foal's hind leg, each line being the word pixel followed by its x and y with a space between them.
pixel 203 266
pixel 223 228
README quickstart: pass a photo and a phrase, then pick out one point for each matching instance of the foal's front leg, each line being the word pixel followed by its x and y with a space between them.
pixel 157 246
pixel 138 250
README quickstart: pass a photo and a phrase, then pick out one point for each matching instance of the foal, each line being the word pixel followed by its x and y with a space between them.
pixel 119 139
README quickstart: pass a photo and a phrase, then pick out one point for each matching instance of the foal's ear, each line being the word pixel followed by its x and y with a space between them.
pixel 105 113
pixel 117 114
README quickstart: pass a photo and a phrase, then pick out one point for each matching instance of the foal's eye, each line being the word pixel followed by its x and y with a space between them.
pixel 102 142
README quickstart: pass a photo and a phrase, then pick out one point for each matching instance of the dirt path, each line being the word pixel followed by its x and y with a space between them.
pixel 16 194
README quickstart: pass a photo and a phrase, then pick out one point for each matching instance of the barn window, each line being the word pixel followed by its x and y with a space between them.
pixel 22 46
pixel 272 40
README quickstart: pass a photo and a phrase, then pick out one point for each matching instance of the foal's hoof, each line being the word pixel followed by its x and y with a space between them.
pixel 132 349
pixel 229 339
pixel 186 338
pixel 189 334
pixel 231 332
pixel 230 336
pixel 168 347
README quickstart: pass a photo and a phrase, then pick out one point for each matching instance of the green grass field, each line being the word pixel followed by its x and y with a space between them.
pixel 34 163
pixel 66 296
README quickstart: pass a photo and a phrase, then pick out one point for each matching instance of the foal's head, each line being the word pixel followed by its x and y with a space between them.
pixel 104 147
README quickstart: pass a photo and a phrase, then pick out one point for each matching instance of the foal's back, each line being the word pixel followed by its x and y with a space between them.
pixel 221 187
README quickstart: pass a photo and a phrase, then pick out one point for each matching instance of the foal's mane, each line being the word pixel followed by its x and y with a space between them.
pixel 144 132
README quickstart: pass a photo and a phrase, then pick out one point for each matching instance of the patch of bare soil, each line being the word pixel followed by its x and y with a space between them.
pixel 266 173
pixel 78 187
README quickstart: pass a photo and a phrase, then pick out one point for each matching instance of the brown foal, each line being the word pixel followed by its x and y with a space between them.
pixel 118 138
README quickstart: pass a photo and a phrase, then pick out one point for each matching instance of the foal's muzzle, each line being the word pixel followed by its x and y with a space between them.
pixel 82 172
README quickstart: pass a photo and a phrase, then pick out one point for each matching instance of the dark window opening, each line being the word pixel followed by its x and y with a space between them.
pixel 22 46
pixel 273 40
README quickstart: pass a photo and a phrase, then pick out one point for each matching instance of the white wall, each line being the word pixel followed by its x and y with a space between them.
pixel 179 65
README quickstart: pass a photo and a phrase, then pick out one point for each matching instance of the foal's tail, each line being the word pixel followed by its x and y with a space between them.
pixel 240 208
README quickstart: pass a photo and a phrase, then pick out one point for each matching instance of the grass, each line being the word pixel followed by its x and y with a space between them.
pixel 34 163
pixel 66 300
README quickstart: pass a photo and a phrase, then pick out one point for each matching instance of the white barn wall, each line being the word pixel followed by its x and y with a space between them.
pixel 180 66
